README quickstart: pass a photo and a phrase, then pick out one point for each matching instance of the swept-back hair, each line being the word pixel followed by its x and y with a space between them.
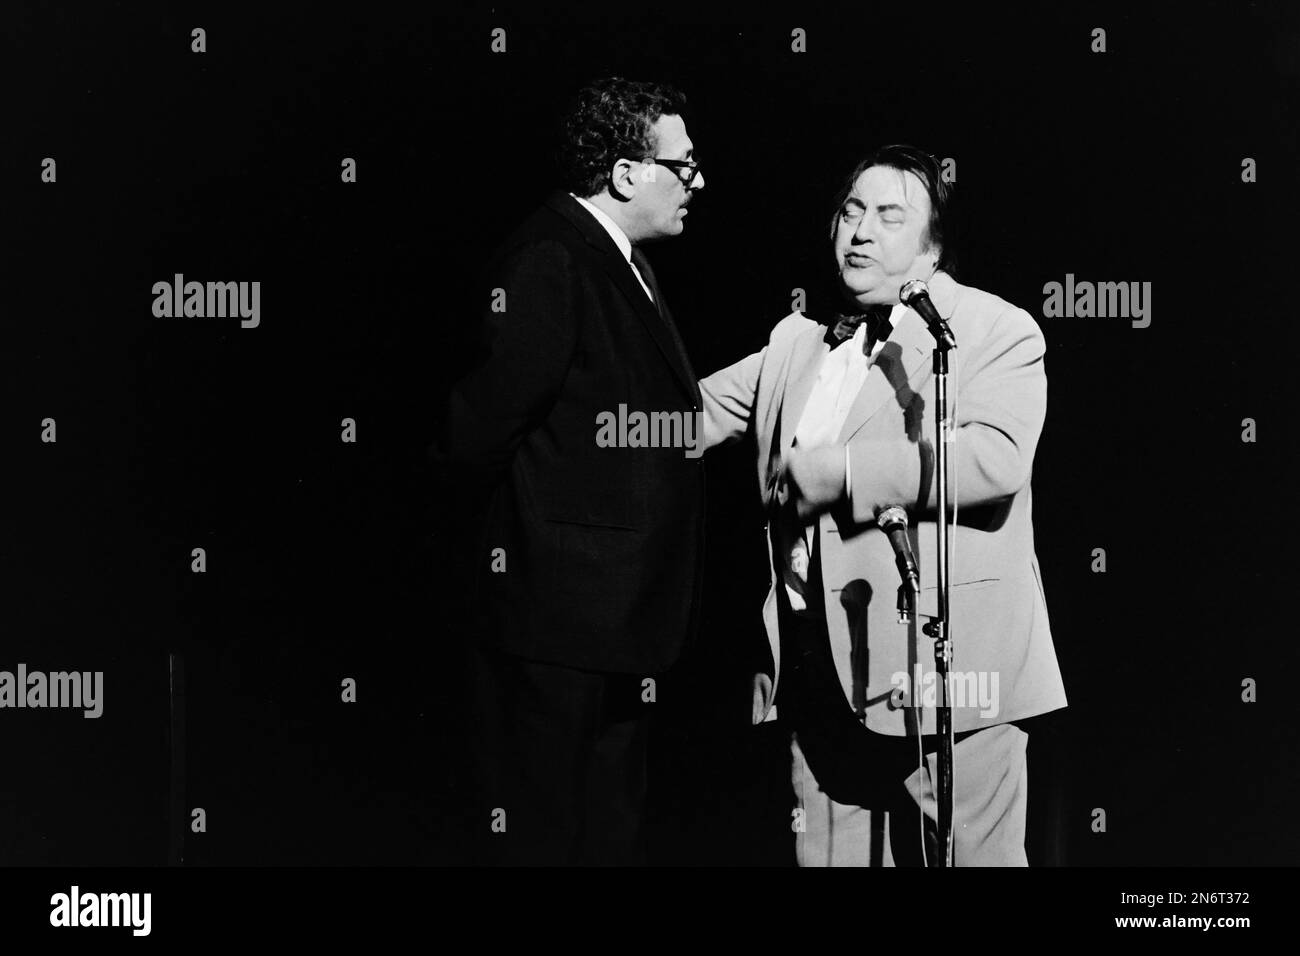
pixel 909 159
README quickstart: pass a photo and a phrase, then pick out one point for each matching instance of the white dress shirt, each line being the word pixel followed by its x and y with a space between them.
pixel 841 376
pixel 620 239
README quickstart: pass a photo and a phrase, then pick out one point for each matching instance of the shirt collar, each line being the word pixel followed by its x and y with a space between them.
pixel 610 226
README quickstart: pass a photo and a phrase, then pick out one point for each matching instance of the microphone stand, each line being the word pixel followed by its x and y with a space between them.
pixel 938 628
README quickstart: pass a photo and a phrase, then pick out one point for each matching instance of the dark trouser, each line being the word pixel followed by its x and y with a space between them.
pixel 561 757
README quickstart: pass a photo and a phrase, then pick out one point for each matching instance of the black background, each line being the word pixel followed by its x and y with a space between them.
pixel 329 560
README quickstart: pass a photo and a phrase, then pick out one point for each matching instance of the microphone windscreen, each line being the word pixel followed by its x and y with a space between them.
pixel 889 518
pixel 912 289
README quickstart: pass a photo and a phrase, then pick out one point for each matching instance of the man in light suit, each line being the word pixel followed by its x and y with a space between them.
pixel 587 566
pixel 843 424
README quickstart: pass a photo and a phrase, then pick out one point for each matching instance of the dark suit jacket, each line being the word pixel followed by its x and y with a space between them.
pixel 602 546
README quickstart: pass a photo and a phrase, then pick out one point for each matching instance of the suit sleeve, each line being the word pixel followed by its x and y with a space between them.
pixel 728 394
pixel 526 351
pixel 728 399
pixel 1001 404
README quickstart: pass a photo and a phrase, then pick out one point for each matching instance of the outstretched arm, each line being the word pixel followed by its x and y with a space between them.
pixel 729 393
pixel 728 397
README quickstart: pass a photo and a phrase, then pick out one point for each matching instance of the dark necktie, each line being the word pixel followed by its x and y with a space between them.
pixel 643 266
pixel 845 326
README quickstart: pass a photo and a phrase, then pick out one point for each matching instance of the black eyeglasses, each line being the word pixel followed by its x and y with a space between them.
pixel 684 171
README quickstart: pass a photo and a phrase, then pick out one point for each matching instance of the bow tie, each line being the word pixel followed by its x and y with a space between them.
pixel 846 326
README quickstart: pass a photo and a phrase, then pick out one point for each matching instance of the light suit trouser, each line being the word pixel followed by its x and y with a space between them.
pixel 990 796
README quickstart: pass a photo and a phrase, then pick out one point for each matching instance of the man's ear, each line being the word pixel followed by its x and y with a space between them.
pixel 622 181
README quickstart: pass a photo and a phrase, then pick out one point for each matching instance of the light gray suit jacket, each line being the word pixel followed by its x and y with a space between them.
pixel 999 629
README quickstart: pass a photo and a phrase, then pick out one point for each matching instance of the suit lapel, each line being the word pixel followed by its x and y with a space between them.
pixel 908 347
pixel 805 361
pixel 666 323
pixel 612 261
pixel 903 353
pixel 789 395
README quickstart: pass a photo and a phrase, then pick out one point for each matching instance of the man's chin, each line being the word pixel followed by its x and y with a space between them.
pixel 868 297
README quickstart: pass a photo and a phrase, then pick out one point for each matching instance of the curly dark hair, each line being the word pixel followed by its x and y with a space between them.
pixel 609 120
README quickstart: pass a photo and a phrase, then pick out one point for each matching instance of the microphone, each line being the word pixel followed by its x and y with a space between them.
pixel 916 296
pixel 893 522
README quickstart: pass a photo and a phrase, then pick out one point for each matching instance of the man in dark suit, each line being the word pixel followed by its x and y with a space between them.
pixel 587 574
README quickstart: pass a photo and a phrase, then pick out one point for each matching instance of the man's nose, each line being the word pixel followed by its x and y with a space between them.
pixel 865 231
